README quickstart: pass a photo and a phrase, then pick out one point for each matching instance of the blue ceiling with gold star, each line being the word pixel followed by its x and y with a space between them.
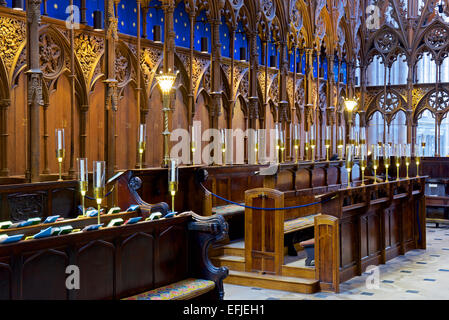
pixel 127 24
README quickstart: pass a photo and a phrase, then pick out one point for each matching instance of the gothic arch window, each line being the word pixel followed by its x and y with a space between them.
pixel 375 128
pixel 425 131
pixel 426 69
pixel 397 130
pixel 375 72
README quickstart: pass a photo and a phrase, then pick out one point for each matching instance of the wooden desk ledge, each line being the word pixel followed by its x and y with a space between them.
pixel 182 290
pixel 228 209
pixel 299 223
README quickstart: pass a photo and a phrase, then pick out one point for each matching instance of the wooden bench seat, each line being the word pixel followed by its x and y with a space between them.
pixel 299 223
pixel 182 290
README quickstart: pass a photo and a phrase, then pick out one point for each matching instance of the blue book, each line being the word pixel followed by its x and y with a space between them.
pixel 24 224
pixel 170 215
pixel 93 227
pixel 132 208
pixel 92 213
pixel 51 219
pixel 12 239
pixel 44 233
pixel 133 220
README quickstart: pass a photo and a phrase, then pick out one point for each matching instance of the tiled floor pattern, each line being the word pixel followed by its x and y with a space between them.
pixel 418 275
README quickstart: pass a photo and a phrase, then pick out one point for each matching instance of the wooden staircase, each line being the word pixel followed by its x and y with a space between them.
pixel 293 278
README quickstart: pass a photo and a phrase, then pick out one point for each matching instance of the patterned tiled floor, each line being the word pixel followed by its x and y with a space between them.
pixel 419 274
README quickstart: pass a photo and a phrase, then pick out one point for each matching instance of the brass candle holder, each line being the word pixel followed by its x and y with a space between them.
pixel 99 184
pixel 375 153
pixel 407 157
pixel 60 150
pixel 83 179
pixel 142 143
pixel 397 158
pixel 387 162
pixel 349 162
pixel 417 159
pixel 173 180
pixel 363 162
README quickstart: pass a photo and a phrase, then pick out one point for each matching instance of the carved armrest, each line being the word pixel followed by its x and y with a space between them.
pixel 204 232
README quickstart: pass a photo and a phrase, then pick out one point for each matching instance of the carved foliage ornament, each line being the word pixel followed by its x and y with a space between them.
pixel 437 38
pixel 268 8
pixel 385 42
pixel 12 34
pixel 439 100
pixel 88 49
pixel 122 69
pixel 391 103
pixel 51 56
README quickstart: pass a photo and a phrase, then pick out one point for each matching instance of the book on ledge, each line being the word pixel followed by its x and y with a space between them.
pixel 51 219
pixel 5 224
pixel 154 216
pixel 43 233
pixel 132 208
pixel 114 210
pixel 92 213
pixel 93 227
pixel 115 222
pixel 133 220
pixel 4 239
pixel 65 230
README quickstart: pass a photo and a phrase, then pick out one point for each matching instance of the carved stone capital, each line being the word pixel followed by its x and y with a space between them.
pixel 5 103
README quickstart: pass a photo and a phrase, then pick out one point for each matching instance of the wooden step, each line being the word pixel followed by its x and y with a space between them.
pixel 252 279
pixel 236 248
pixel 232 262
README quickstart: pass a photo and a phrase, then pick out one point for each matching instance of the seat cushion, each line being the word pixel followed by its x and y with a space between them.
pixel 299 223
pixel 182 290
pixel 228 209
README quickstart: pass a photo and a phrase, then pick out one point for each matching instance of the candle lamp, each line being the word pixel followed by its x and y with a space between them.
pixel 363 161
pixel 397 158
pixel 327 141
pixel 408 154
pixel 362 136
pixel 296 141
pixel 387 155
pixel 418 155
pixel 375 154
pixel 223 145
pixel 307 146
pixel 340 142
pixel 282 143
pixel 278 141
pixel 313 141
pixel 60 150
pixel 193 144
pixel 173 180
pixel 256 145
pixel 99 183
pixel 83 179
pixel 142 142
pixel 349 162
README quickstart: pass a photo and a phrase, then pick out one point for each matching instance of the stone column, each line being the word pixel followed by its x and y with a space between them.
pixel 34 97
pixel 83 10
